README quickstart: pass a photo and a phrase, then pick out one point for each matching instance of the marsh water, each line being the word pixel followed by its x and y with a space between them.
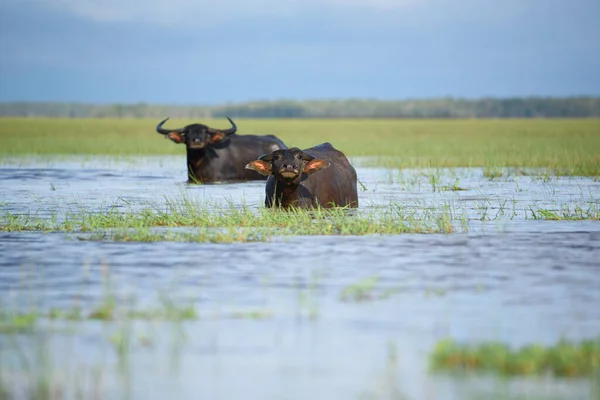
pixel 273 320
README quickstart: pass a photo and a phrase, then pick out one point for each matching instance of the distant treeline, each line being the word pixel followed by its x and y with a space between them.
pixel 530 107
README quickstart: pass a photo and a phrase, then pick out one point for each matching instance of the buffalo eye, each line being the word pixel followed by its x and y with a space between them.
pixel 276 157
pixel 299 156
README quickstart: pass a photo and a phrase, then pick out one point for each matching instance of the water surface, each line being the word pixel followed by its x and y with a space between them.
pixel 504 276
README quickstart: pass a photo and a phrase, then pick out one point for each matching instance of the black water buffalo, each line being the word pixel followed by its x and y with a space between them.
pixel 219 155
pixel 294 182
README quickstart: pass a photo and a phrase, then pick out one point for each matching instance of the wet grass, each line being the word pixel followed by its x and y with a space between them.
pixel 567 213
pixel 565 359
pixel 184 219
pixel 563 147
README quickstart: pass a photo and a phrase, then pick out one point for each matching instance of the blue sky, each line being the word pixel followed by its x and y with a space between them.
pixel 198 52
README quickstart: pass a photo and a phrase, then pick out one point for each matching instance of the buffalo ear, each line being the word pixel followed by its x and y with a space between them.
pixel 260 166
pixel 176 137
pixel 315 165
pixel 217 137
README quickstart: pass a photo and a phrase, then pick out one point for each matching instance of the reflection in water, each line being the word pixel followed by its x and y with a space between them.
pixel 271 320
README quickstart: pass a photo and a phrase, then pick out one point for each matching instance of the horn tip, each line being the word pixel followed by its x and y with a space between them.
pixel 159 128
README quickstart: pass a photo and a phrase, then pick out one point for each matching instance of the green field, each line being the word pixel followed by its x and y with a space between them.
pixel 565 147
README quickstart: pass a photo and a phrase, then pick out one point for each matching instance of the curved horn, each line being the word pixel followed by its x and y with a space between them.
pixel 266 157
pixel 160 129
pixel 229 131
pixel 307 157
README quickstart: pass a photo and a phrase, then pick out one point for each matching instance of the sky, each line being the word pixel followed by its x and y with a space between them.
pixel 213 52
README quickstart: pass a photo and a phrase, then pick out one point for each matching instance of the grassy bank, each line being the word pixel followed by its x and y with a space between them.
pixel 566 147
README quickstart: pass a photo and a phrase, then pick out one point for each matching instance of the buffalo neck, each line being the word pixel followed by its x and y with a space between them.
pixel 195 159
pixel 286 193
pixel 194 156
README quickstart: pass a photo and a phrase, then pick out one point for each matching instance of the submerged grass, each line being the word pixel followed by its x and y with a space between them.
pixel 32 367
pixel 37 364
pixel 34 364
pixel 15 322
pixel 564 147
pixel 198 235
pixel 566 359
pixel 360 291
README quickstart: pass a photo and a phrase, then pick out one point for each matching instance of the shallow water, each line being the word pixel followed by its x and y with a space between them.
pixel 504 277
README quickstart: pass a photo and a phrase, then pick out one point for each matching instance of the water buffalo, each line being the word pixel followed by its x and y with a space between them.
pixel 219 155
pixel 293 180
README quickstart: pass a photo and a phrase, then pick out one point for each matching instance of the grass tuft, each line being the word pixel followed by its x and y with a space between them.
pixel 566 213
pixel 565 359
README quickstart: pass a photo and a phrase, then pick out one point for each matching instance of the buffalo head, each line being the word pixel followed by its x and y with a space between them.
pixel 197 136
pixel 287 165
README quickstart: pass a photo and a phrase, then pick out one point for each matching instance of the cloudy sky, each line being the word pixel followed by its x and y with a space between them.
pixel 207 52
